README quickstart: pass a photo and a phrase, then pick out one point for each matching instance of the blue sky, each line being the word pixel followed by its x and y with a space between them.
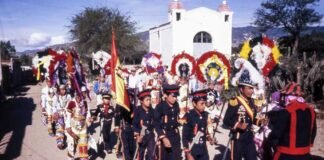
pixel 31 24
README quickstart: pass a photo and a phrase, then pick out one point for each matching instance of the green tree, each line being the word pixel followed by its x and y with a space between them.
pixel 312 43
pixel 92 29
pixel 293 15
pixel 7 50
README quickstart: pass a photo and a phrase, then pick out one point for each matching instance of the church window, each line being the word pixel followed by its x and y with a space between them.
pixel 178 16
pixel 226 17
pixel 202 37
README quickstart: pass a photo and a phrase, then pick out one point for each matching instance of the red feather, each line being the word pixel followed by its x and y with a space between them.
pixel 268 42
pixel 56 58
pixel 107 67
pixel 269 66
pixel 203 58
pixel 271 63
pixel 149 69
pixel 180 56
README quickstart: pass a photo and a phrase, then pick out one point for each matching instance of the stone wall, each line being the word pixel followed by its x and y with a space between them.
pixel 13 75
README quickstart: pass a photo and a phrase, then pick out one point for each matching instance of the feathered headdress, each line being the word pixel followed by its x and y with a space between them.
pixel 48 63
pixel 152 62
pixel 57 67
pixel 101 63
pixel 101 57
pixel 183 65
pixel 75 70
pixel 41 63
pixel 213 67
pixel 247 74
pixel 262 53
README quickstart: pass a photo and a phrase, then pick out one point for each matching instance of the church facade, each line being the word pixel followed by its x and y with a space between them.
pixel 193 31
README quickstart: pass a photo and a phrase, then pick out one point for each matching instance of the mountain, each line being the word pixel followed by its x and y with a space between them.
pixel 240 33
pixel 28 52
pixel 56 46
pixel 144 36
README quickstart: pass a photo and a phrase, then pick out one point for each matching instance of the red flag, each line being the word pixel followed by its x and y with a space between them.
pixel 118 86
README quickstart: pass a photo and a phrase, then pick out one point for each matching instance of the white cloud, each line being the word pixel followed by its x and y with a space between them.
pixel 38 39
pixel 58 40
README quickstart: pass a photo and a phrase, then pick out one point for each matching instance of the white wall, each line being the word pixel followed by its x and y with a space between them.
pixel 178 35
pixel 224 43
pixel 154 41
pixel 161 42
pixel 167 46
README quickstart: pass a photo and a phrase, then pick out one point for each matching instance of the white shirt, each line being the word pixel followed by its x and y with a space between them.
pixel 63 100
pixel 50 104
pixel 44 94
pixel 132 81
pixel 141 79
pixel 193 84
pixel 171 79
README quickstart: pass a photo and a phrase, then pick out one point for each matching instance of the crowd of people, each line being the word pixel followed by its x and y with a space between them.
pixel 150 119
pixel 182 120
pixel 173 117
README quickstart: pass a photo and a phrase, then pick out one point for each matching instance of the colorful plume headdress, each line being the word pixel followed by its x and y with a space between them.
pixel 262 53
pixel 101 63
pixel 244 66
pixel 213 67
pixel 152 62
pixel 183 65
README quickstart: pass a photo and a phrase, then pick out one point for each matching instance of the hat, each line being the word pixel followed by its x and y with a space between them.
pixel 245 79
pixel 144 93
pixel 62 86
pixel 106 95
pixel 200 95
pixel 83 89
pixel 51 90
pixel 171 89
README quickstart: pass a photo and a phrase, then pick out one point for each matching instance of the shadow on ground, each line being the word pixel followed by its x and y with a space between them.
pixel 15 115
pixel 221 148
pixel 101 152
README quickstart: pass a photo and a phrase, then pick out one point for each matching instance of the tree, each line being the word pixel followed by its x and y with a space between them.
pixel 293 15
pixel 6 50
pixel 92 30
pixel 313 43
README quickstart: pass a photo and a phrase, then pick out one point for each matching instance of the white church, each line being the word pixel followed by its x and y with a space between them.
pixel 194 31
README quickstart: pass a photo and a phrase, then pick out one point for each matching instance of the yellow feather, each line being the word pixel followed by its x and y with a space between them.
pixel 245 50
pixel 276 54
